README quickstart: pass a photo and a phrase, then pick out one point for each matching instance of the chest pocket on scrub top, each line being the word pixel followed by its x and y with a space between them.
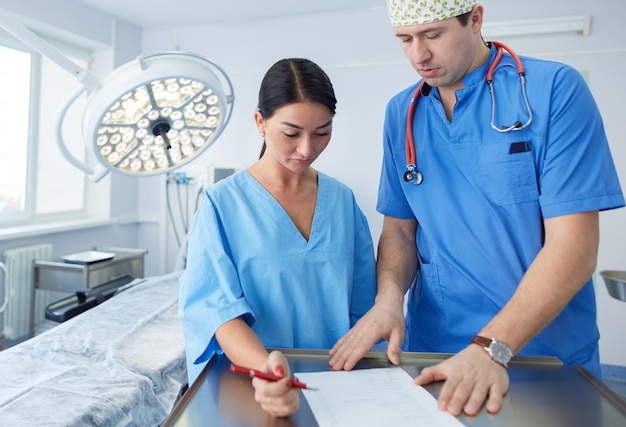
pixel 508 172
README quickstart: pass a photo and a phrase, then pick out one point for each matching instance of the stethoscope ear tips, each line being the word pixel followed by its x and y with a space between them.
pixel 415 177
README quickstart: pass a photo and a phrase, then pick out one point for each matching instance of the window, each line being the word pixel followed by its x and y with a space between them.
pixel 15 82
pixel 37 184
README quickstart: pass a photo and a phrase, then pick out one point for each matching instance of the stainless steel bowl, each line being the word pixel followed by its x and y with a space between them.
pixel 615 283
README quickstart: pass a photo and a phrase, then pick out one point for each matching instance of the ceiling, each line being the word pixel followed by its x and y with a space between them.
pixel 158 14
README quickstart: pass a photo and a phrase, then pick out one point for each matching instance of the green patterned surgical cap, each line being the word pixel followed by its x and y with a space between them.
pixel 415 12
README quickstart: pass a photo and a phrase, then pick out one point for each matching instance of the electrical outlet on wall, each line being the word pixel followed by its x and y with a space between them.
pixel 219 171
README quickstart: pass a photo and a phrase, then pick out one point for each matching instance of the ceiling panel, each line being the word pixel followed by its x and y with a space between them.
pixel 155 14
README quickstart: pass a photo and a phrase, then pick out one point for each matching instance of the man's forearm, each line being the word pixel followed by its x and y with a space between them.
pixel 397 261
pixel 560 270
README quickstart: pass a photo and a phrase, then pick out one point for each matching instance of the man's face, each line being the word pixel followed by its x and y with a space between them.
pixel 441 52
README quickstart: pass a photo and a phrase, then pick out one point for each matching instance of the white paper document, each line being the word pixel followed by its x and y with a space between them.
pixel 372 397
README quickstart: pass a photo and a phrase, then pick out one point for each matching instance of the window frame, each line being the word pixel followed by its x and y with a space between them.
pixel 32 134
pixel 29 214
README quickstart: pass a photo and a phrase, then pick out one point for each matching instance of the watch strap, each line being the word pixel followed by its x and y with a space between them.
pixel 497 350
pixel 481 341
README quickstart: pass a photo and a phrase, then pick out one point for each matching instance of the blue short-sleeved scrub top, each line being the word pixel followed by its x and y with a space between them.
pixel 247 258
pixel 485 194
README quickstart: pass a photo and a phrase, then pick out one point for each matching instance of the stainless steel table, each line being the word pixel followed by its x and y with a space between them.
pixel 67 277
pixel 543 393
pixel 59 275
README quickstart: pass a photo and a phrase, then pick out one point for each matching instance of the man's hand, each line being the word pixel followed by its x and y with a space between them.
pixel 471 379
pixel 384 320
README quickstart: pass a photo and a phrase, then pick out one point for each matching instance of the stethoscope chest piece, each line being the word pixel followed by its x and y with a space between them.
pixel 414 176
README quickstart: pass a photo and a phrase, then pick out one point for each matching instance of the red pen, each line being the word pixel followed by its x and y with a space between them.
pixel 269 377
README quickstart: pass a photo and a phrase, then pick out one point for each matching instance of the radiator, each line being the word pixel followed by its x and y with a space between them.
pixel 19 279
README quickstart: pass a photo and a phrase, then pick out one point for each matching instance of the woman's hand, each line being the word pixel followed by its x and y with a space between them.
pixel 277 398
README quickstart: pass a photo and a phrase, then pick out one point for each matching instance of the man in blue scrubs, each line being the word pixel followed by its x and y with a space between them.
pixel 497 242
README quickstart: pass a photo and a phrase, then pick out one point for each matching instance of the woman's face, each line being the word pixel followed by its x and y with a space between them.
pixel 296 134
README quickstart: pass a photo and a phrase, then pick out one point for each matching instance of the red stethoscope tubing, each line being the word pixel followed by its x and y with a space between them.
pixel 501 47
pixel 410 142
pixel 411 162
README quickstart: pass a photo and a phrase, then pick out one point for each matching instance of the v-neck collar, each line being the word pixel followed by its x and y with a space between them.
pixel 281 214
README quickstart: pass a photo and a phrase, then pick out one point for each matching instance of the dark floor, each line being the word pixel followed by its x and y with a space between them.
pixel 6 343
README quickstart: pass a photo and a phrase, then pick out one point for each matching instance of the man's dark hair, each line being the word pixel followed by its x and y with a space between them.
pixel 464 18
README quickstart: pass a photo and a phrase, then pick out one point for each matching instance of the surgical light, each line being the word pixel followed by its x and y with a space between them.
pixel 150 115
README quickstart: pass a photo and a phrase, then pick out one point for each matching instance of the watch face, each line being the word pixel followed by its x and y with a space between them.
pixel 500 352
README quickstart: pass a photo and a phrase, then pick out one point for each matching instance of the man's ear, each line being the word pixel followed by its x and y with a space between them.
pixel 476 18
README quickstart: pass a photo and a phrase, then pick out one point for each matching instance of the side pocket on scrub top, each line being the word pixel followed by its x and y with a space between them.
pixel 428 315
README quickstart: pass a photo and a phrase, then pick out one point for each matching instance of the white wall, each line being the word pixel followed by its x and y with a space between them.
pixel 366 65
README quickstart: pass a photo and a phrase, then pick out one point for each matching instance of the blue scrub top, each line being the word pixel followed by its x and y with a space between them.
pixel 247 258
pixel 485 195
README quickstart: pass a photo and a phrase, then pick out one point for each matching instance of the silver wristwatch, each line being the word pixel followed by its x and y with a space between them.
pixel 498 350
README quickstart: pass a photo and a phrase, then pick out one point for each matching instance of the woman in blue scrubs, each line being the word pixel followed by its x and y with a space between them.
pixel 279 255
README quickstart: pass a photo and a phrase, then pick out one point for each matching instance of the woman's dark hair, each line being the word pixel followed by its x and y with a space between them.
pixel 294 80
